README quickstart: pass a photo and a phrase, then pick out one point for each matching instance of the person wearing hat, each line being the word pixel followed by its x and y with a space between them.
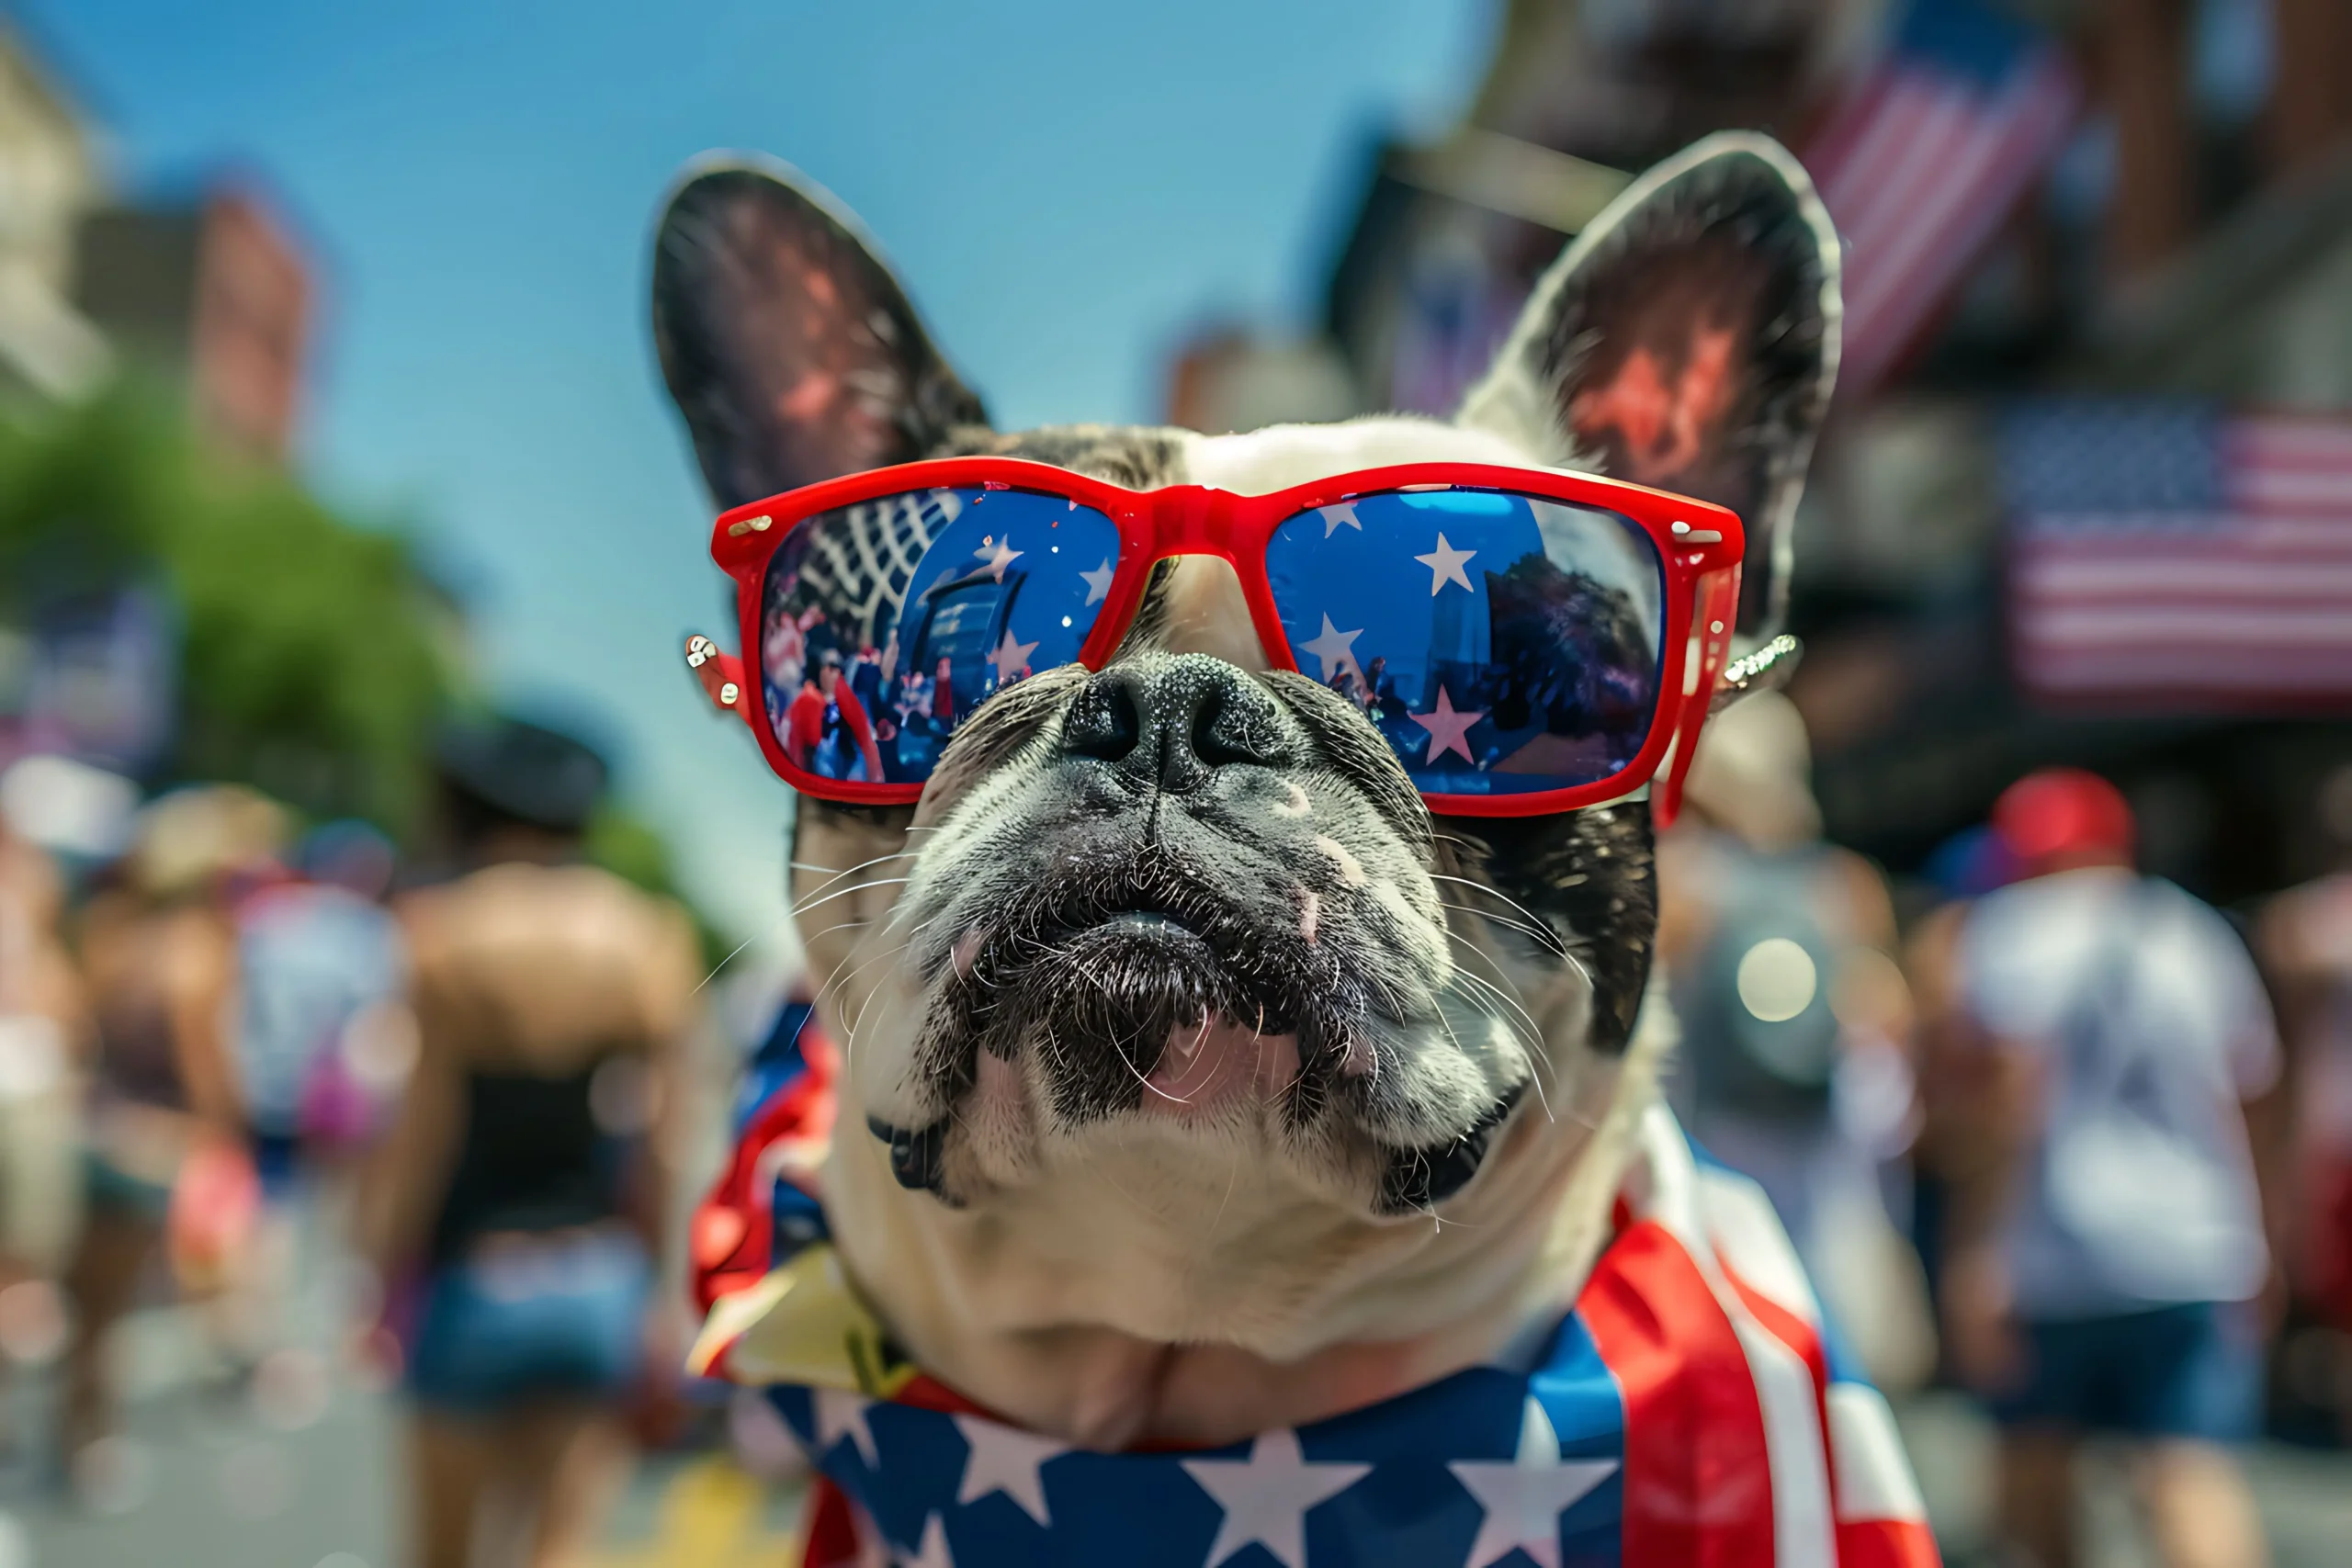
pixel 2108 1235
pixel 515 1205
pixel 165 1142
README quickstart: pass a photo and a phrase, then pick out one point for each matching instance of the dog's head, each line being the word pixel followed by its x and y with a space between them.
pixel 1170 1006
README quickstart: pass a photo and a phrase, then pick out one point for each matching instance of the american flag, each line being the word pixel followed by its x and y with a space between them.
pixel 2168 550
pixel 1925 158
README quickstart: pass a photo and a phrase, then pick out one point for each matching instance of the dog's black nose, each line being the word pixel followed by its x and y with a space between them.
pixel 1174 721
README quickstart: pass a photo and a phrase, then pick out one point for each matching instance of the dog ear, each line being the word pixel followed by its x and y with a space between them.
pixel 786 340
pixel 1687 339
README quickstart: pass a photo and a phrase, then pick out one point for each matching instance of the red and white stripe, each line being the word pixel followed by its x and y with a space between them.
pixel 1920 168
pixel 2255 603
pixel 1739 1447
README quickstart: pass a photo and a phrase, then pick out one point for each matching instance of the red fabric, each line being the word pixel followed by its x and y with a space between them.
pixel 927 1393
pixel 733 1234
pixel 804 721
pixel 1800 1337
pixel 1886 1544
pixel 2329 1243
pixel 1698 1485
pixel 828 1527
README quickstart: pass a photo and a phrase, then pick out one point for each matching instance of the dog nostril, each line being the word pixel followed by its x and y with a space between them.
pixel 1102 722
pixel 1174 724
pixel 1225 732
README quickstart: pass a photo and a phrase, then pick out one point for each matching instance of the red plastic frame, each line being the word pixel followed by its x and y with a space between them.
pixel 1699 543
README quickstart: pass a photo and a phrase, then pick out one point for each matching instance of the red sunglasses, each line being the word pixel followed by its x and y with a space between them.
pixel 1527 641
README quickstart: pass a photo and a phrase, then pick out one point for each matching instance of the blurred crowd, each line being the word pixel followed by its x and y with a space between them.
pixel 2055 1137
pixel 2065 1138
pixel 2047 1131
pixel 217 1028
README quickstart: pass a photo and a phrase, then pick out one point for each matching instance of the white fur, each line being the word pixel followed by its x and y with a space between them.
pixel 1280 455
pixel 1192 1280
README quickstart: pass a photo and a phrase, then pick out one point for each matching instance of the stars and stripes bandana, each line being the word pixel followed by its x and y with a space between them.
pixel 1691 1411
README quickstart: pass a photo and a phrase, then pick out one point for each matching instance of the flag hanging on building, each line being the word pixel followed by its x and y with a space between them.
pixel 2166 549
pixel 1923 160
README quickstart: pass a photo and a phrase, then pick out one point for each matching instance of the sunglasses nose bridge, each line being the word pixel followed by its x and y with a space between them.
pixel 1193 520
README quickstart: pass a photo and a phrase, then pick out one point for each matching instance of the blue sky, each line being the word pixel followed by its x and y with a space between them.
pixel 1066 187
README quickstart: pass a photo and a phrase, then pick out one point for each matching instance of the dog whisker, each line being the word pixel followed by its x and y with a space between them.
pixel 799 910
pixel 1535 925
pixel 1545 939
pixel 723 963
pixel 834 875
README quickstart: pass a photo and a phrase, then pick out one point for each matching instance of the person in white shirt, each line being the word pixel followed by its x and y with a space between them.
pixel 2110 1250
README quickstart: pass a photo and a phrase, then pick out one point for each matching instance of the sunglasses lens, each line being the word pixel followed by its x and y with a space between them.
pixel 884 625
pixel 1503 644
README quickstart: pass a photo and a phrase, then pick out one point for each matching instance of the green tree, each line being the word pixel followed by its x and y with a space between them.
pixel 313 654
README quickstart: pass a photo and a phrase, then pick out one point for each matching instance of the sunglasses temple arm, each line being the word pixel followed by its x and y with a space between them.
pixel 721 675
pixel 1717 605
pixel 1765 668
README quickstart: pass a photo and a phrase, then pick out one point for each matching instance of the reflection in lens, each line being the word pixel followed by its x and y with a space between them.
pixel 884 625
pixel 1501 643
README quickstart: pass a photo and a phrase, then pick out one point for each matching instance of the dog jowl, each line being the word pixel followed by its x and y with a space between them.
pixel 1188 1038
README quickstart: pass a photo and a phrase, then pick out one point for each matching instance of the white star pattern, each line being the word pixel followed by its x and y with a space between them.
pixel 1449 727
pixel 1266 1497
pixel 1524 1498
pixel 1336 648
pixel 1009 657
pixel 1098 581
pixel 1002 554
pixel 841 1414
pixel 1341 516
pixel 934 1553
pixel 1445 565
pixel 1006 1460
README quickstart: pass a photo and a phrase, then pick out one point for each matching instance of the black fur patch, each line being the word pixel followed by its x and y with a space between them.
pixel 1136 457
pixel 1591 877
pixel 917 1154
pixel 1420 1178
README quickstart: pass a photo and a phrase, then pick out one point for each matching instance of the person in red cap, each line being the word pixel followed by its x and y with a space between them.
pixel 2109 1239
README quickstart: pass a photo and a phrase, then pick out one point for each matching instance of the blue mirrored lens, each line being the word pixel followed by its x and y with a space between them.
pixel 1501 643
pixel 884 625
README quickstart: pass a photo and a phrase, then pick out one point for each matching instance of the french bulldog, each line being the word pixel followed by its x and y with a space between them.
pixel 1200 1080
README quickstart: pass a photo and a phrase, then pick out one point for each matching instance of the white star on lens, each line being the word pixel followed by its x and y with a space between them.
pixel 1445 566
pixel 1266 1497
pixel 1009 657
pixel 1336 648
pixel 1098 583
pixel 1449 727
pixel 1523 1498
pixel 841 1414
pixel 999 555
pixel 932 1552
pixel 1337 517
pixel 1006 1460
